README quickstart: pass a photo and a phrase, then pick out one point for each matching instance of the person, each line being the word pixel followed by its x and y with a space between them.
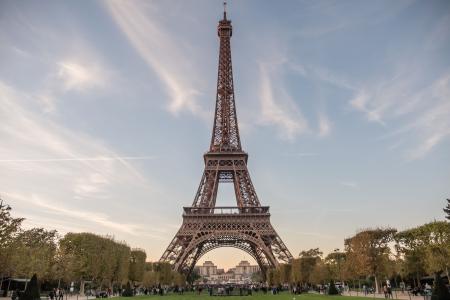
pixel 385 290
pixel 51 294
pixel 60 294
pixel 15 295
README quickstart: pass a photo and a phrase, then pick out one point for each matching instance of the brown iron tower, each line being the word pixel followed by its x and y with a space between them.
pixel 205 226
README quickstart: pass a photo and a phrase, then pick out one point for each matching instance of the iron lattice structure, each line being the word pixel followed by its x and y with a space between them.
pixel 206 227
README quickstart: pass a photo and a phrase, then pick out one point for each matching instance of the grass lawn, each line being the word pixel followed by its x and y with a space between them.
pixel 255 296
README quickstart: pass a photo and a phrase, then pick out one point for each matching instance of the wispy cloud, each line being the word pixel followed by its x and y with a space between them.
pixel 83 170
pixel 324 125
pixel 81 159
pixel 161 52
pixel 350 184
pixel 278 108
pixel 76 76
pixel 302 154
pixel 424 112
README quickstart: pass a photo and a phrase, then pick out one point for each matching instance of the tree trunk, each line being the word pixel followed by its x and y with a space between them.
pixel 1 284
pixel 7 289
pixel 376 285
pixel 82 287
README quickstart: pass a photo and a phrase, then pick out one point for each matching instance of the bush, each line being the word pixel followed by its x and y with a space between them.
pixel 32 290
pixel 440 291
pixel 128 291
pixel 332 290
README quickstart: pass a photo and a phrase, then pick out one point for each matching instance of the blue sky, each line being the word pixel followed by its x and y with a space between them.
pixel 343 106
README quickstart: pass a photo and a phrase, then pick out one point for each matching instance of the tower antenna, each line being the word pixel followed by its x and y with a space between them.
pixel 224 10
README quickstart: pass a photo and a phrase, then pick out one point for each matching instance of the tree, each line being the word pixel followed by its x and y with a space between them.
pixel 128 291
pixel 332 290
pixel 447 209
pixel 427 247
pixel 35 253
pixel 303 267
pixel 193 276
pixel 335 262
pixel 285 271
pixel 320 273
pixel 178 279
pixel 369 251
pixel 150 279
pixel 32 290
pixel 9 229
pixel 273 277
pixel 440 290
pixel 165 274
pixel 409 246
pixel 91 257
pixel 137 265
pixel 257 277
pixel 122 255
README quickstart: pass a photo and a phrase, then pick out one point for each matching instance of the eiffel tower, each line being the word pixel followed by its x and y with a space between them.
pixel 205 226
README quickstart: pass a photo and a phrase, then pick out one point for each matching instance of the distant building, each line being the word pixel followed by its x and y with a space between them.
pixel 207 269
pixel 240 274
pixel 245 269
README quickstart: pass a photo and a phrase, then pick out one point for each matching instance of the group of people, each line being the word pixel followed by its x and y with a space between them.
pixel 56 294
pixel 387 290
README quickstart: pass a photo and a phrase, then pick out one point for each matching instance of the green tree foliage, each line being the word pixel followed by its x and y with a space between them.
pixel 368 251
pixel 35 253
pixel 121 264
pixel 257 277
pixel 335 262
pixel 9 229
pixel 150 279
pixel 165 273
pixel 179 279
pixel 193 276
pixel 440 290
pixel 137 265
pixel 303 267
pixel 320 274
pixel 32 290
pixel 285 271
pixel 426 248
pixel 273 277
pixel 91 257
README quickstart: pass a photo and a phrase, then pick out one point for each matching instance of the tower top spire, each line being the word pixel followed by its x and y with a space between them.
pixel 224 10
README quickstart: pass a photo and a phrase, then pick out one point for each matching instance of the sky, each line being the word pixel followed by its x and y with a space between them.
pixel 106 108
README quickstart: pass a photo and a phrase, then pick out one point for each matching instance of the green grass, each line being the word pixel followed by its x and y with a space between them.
pixel 255 296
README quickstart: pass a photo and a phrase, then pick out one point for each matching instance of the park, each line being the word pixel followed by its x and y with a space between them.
pixel 78 226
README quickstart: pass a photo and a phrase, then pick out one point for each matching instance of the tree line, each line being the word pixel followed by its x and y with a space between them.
pixel 372 256
pixel 82 258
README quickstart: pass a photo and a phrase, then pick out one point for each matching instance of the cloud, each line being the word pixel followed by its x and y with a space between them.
pixel 350 184
pixel 80 159
pixel 79 76
pixel 324 125
pixel 283 113
pixel 303 154
pixel 423 112
pixel 162 53
pixel 66 173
